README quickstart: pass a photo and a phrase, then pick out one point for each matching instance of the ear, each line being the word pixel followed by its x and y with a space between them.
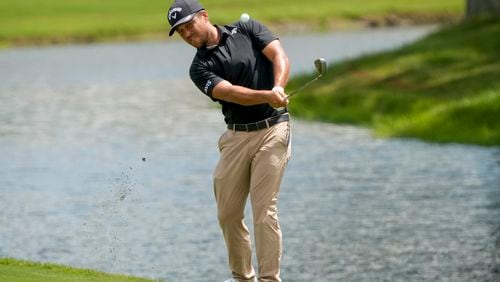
pixel 204 15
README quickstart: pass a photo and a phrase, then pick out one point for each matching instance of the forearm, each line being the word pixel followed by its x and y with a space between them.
pixel 281 70
pixel 281 66
pixel 241 95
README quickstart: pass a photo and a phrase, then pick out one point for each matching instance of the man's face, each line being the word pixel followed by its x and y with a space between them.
pixel 195 31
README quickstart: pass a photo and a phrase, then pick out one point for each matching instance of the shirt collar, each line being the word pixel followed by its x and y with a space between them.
pixel 225 32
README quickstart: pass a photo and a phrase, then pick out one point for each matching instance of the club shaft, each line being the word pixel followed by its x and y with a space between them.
pixel 303 86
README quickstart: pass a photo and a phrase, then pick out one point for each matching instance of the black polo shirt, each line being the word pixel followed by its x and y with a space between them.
pixel 238 59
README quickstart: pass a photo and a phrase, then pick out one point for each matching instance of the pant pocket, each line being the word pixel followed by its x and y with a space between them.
pixel 220 143
pixel 285 134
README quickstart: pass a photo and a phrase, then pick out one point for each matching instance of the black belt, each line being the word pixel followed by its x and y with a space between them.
pixel 268 122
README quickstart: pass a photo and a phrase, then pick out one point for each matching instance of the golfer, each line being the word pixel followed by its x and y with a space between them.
pixel 244 68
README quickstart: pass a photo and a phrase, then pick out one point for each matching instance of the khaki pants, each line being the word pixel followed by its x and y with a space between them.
pixel 252 163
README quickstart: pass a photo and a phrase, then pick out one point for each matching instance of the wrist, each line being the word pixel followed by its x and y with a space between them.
pixel 278 89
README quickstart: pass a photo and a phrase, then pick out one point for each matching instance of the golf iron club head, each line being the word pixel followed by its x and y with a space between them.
pixel 320 65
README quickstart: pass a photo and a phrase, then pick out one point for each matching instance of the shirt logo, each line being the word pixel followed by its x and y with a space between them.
pixel 207 85
pixel 171 14
pixel 234 31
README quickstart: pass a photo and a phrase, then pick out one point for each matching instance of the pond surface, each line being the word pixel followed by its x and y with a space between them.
pixel 108 150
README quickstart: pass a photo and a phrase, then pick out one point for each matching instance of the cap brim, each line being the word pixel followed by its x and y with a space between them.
pixel 184 20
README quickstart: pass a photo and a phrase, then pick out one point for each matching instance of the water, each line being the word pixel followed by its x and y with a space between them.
pixel 107 154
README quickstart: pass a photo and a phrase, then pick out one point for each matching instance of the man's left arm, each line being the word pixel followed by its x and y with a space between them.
pixel 281 67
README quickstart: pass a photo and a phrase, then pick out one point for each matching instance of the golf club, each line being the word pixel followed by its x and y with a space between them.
pixel 320 65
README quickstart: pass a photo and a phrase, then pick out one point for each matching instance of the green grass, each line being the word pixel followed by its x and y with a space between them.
pixel 444 88
pixel 56 21
pixel 12 270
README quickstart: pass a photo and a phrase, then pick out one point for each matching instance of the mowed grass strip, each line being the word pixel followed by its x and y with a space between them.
pixel 443 88
pixel 13 270
pixel 56 21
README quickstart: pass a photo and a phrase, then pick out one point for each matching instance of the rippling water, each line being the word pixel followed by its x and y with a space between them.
pixel 107 154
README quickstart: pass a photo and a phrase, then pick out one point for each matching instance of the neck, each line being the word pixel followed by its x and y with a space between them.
pixel 213 36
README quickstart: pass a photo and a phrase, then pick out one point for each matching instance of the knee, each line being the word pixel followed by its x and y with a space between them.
pixel 229 215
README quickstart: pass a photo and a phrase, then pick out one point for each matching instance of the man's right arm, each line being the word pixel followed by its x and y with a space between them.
pixel 218 88
pixel 248 97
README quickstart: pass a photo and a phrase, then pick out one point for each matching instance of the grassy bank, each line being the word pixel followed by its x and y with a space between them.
pixel 25 22
pixel 444 88
pixel 12 270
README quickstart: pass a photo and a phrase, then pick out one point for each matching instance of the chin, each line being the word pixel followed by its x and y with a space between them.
pixel 194 43
pixel 197 44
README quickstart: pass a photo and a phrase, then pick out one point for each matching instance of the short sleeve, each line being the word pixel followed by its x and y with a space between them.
pixel 260 34
pixel 204 78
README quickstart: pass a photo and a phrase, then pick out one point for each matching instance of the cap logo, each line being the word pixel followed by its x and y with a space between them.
pixel 171 14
